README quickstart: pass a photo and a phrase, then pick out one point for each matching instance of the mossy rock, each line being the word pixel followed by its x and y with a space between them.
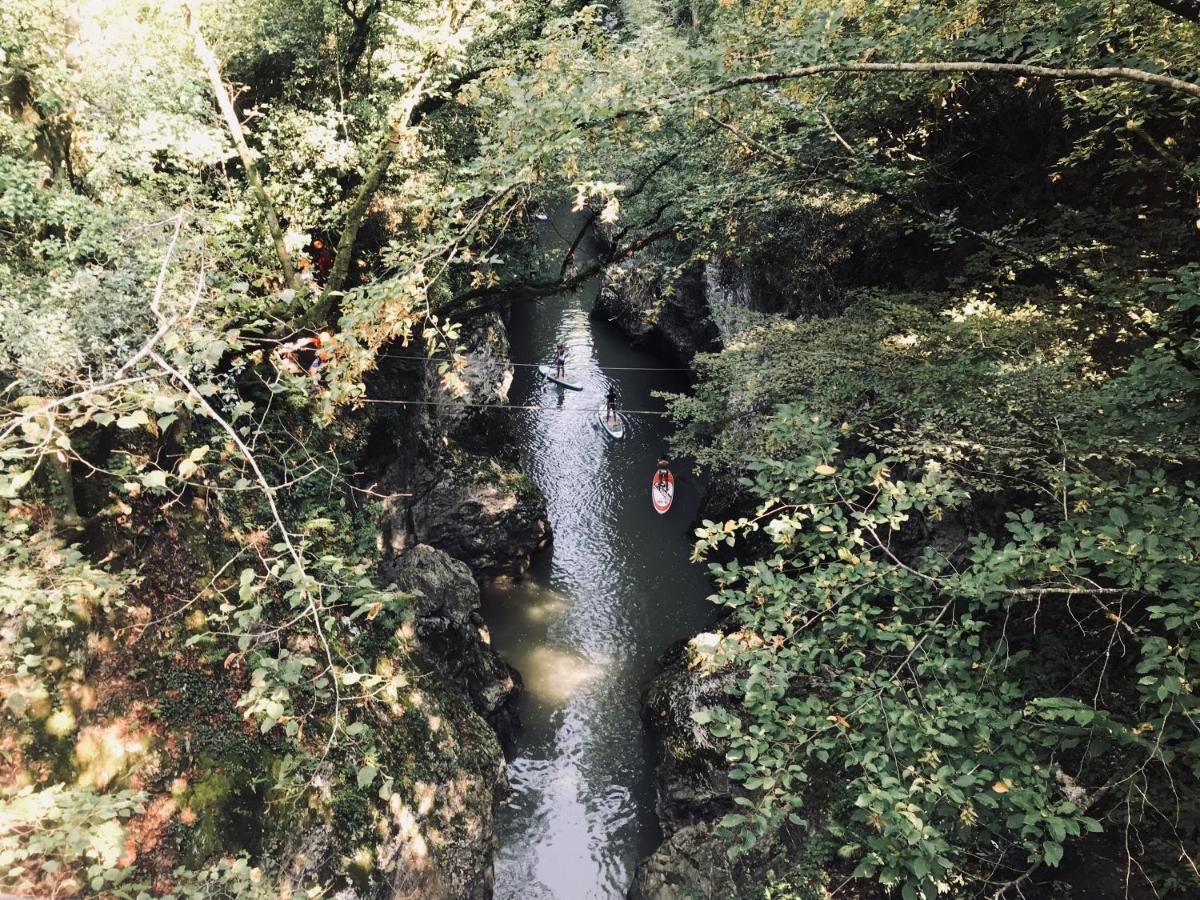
pixel 222 813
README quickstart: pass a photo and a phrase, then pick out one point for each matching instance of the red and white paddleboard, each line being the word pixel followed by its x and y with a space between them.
pixel 662 493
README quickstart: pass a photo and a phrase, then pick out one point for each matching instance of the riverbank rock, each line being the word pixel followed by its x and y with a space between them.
pixel 491 517
pixel 690 863
pixel 691 779
pixel 680 308
pixel 692 785
pixel 449 636
pixel 658 307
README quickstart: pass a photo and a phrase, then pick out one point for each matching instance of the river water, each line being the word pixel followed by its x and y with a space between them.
pixel 587 624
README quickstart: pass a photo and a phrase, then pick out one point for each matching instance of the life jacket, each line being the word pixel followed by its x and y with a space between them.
pixel 325 344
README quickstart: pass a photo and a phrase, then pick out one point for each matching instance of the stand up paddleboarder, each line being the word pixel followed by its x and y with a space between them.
pixel 610 410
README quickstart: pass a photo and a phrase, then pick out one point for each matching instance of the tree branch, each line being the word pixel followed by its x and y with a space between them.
pixel 303 582
pixel 1104 73
pixel 461 304
pixel 401 122
pixel 358 210
pixel 270 219
pixel 357 45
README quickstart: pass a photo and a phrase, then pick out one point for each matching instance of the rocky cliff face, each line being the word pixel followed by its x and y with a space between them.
pixel 441 463
pixel 680 309
pixel 659 307
pixel 454 513
pixel 447 635
pixel 474 508
pixel 491 517
pixel 433 838
pixel 690 863
pixel 466 393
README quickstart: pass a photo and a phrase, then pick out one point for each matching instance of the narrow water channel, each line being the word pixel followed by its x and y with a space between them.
pixel 587 624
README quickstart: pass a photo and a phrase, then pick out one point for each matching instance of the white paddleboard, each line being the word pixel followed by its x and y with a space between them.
pixel 549 375
pixel 614 427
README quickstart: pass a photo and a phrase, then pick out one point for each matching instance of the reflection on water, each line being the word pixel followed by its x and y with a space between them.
pixel 556 674
pixel 597 609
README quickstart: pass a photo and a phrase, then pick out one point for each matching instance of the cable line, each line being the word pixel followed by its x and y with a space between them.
pixel 525 365
pixel 508 407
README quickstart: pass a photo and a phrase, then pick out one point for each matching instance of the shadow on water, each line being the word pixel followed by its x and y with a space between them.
pixel 587 624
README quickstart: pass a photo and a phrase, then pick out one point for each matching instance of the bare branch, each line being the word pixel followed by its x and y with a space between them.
pixel 312 601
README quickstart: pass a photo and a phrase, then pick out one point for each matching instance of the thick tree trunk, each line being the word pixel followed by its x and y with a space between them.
pixel 400 124
pixel 361 33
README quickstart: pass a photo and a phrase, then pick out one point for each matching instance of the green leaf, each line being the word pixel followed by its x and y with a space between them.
pixel 155 479
pixel 135 419
pixel 19 481
pixel 865 869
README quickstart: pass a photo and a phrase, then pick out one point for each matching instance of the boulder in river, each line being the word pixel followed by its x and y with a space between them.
pixel 690 863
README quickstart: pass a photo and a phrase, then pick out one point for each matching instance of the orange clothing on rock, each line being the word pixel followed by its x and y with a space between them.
pixel 325 345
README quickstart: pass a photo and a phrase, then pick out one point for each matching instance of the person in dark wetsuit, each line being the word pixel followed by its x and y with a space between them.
pixel 322 258
pixel 610 411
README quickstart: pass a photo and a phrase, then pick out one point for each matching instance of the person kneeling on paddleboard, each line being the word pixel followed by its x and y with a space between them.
pixel 560 361
pixel 610 411
pixel 664 469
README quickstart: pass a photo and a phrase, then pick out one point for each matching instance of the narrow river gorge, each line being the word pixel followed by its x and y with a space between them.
pixel 598 607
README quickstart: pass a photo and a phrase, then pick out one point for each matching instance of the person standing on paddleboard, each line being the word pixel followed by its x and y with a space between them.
pixel 610 411
pixel 560 361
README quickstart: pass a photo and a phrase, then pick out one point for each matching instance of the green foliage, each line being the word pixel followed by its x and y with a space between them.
pixel 185 563
pixel 990 391
pixel 150 402
pixel 49 829
pixel 954 729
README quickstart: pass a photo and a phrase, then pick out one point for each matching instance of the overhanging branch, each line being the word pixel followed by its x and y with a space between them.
pixel 479 299
pixel 1104 73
